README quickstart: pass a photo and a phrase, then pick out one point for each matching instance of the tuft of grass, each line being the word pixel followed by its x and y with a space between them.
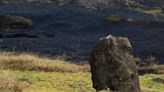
pixel 33 62
pixel 6 82
pixel 9 83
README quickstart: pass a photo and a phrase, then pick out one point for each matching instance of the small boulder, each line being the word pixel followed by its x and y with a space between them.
pixel 14 22
pixel 113 65
pixel 137 21
pixel 113 19
pixel 131 20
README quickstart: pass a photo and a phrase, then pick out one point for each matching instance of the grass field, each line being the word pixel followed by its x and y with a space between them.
pixel 30 73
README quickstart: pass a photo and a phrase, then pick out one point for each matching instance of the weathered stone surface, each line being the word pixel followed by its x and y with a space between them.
pixel 113 65
pixel 14 22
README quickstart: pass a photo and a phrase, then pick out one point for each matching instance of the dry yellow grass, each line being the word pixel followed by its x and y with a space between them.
pixel 6 82
pixel 31 62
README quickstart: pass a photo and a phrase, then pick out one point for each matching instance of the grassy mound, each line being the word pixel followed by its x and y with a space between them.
pixel 32 62
pixel 31 73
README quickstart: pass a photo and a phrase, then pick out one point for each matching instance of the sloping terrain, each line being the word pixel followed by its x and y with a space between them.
pixel 74 30
pixel 36 81
pixel 30 73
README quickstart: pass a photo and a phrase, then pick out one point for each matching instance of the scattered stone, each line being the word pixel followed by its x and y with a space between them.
pixel 113 65
pixel 14 22
pixel 113 19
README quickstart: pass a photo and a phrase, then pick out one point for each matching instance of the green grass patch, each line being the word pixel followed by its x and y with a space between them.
pixel 53 81
pixel 70 82
pixel 149 85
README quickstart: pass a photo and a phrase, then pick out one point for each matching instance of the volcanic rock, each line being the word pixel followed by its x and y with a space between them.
pixel 113 65
pixel 14 22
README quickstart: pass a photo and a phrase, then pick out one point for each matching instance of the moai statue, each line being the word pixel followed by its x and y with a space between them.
pixel 113 65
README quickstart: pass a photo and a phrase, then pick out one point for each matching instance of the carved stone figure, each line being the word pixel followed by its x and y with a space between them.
pixel 113 65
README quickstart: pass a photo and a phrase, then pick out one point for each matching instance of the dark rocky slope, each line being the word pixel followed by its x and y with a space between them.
pixel 73 30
